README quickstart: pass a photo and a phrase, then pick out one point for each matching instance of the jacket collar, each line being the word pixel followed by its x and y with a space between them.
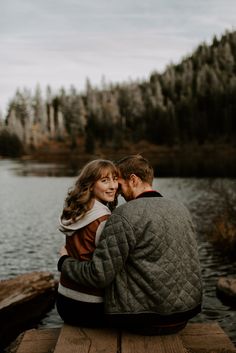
pixel 151 193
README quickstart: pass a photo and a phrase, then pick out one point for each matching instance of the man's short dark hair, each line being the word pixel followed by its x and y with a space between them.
pixel 136 164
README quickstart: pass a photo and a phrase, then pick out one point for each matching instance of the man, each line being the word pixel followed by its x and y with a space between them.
pixel 146 260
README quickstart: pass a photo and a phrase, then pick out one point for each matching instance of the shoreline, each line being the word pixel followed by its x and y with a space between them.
pixel 190 160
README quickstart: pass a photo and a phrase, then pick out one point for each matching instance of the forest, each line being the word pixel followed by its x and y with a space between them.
pixel 191 104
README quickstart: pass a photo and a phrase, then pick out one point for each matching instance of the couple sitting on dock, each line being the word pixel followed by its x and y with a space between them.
pixel 134 266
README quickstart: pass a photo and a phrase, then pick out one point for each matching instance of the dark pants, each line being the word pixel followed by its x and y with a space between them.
pixel 145 324
pixel 85 314
pixel 78 313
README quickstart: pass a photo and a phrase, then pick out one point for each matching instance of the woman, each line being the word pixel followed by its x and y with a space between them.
pixel 87 207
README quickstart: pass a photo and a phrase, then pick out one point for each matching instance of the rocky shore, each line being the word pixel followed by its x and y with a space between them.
pixel 226 290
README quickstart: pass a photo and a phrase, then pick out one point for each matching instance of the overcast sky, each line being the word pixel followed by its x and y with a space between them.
pixel 62 42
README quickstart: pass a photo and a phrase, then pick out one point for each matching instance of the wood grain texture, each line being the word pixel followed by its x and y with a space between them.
pixel 206 338
pixel 195 338
pixel 84 340
pixel 39 341
pixel 24 301
pixel 158 344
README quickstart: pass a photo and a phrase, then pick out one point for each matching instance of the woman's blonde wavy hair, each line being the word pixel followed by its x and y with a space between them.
pixel 79 198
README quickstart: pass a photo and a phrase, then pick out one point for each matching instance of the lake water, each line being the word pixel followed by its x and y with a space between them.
pixel 31 199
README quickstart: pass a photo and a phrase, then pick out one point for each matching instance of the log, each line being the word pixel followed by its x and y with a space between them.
pixel 226 290
pixel 24 301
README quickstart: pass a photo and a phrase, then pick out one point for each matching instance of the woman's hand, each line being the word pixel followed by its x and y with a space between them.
pixel 63 251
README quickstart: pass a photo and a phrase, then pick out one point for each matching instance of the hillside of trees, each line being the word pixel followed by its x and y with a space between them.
pixel 191 105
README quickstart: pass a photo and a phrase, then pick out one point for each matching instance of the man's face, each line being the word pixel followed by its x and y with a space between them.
pixel 126 189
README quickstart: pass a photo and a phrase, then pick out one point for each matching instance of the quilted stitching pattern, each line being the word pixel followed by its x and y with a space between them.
pixel 162 273
pixel 146 259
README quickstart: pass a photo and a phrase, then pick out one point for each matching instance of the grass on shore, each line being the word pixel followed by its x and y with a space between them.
pixel 222 233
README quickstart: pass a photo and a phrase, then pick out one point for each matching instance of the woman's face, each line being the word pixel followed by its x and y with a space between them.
pixel 105 188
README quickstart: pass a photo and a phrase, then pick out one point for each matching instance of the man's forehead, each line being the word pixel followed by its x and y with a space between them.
pixel 120 179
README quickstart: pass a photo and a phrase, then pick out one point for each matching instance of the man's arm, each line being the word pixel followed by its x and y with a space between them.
pixel 117 240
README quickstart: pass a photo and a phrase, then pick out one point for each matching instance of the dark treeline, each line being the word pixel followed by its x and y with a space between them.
pixel 191 102
pixel 195 100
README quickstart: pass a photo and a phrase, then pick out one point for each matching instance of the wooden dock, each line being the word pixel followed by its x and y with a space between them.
pixel 195 338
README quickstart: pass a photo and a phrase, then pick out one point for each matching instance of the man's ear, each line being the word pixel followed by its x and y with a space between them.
pixel 134 180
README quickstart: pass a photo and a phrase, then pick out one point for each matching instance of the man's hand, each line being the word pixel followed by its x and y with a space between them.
pixel 63 251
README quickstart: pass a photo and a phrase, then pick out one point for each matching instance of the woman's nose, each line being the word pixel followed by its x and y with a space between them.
pixel 113 184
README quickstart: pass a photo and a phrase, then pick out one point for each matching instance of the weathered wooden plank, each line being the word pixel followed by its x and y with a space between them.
pixel 151 344
pixel 195 338
pixel 24 300
pixel 84 340
pixel 201 328
pixel 206 338
pixel 39 341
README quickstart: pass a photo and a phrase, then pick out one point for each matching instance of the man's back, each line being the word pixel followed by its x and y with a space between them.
pixel 161 272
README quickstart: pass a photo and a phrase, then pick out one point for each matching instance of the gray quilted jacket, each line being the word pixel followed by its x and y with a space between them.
pixel 147 259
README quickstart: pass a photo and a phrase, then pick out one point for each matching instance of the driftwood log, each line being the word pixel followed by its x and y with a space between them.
pixel 24 300
pixel 226 290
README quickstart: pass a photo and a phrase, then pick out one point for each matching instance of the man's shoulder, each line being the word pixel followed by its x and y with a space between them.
pixel 120 209
pixel 148 204
pixel 126 208
pixel 144 200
